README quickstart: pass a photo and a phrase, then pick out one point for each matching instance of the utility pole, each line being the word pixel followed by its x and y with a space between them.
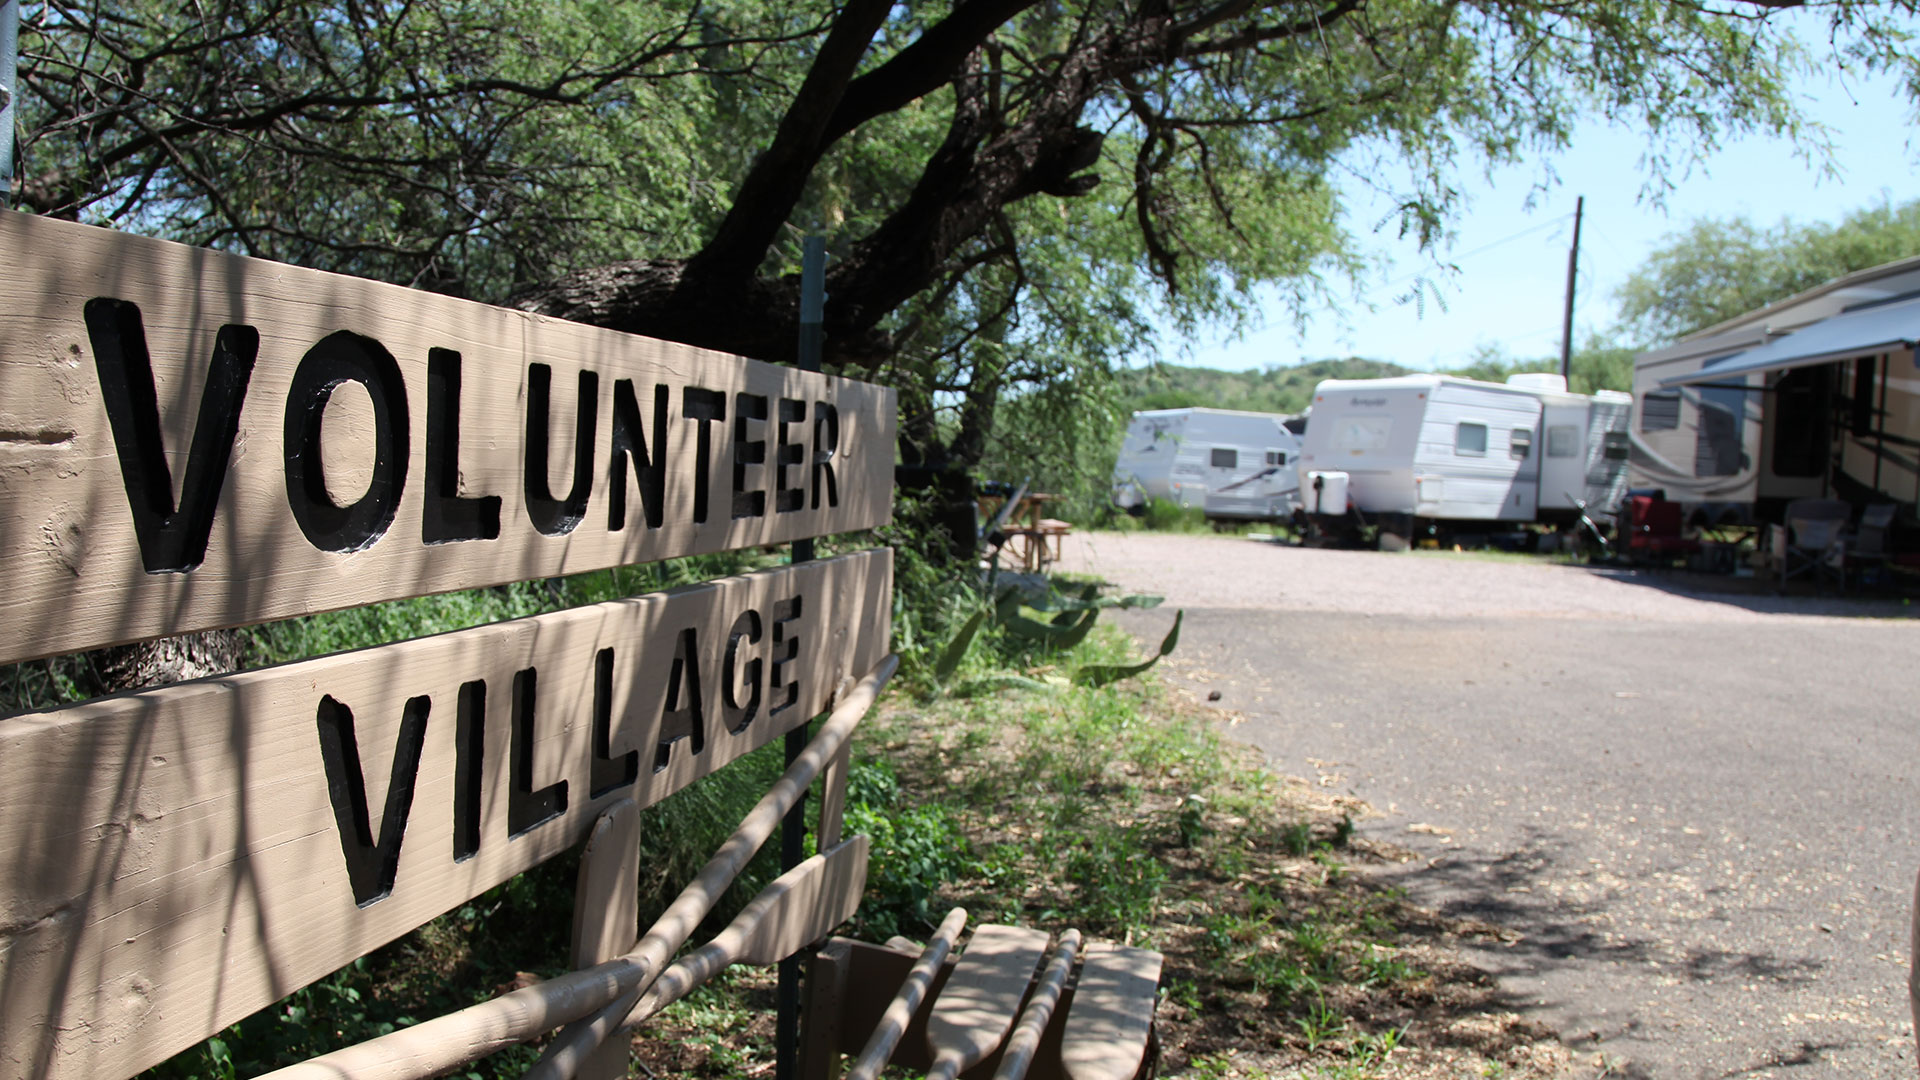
pixel 1573 267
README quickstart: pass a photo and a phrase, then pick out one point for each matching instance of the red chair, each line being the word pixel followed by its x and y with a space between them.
pixel 1654 530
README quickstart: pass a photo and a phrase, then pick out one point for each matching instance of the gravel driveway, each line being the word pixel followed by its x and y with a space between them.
pixel 1697 809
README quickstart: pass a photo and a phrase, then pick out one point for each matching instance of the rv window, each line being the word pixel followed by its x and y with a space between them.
pixel 1362 433
pixel 1719 448
pixel 1660 411
pixel 1563 440
pixel 1225 458
pixel 1616 447
pixel 1521 443
pixel 1276 457
pixel 1470 438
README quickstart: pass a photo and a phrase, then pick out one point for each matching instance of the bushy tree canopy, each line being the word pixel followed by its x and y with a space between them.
pixel 1016 192
pixel 1716 269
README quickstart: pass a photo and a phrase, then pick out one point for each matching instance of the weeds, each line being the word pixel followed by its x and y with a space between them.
pixel 1320 1026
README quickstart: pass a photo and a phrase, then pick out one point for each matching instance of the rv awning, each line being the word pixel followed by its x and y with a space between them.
pixel 1844 336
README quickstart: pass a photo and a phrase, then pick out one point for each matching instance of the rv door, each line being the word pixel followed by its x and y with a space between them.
pixel 1523 499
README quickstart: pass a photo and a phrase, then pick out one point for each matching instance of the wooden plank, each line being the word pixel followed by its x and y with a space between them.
pixel 973 1013
pixel 606 892
pixel 874 972
pixel 798 907
pixel 442 422
pixel 833 797
pixel 1106 1034
pixel 878 1050
pixel 826 988
pixel 175 858
pixel 606 914
pixel 1024 1043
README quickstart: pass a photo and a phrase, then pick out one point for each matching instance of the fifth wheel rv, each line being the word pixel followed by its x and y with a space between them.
pixel 1807 397
pixel 1422 454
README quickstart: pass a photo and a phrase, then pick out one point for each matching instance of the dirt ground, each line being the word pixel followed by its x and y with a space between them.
pixel 1689 801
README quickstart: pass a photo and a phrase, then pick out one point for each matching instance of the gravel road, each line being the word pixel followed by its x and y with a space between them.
pixel 1696 808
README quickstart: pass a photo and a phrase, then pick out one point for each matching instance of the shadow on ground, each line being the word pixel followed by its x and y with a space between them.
pixel 1533 930
pixel 1761 594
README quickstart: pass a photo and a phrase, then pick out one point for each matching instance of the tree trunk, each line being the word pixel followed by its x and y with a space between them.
pixel 166 660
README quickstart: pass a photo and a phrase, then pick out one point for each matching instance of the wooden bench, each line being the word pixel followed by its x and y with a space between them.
pixel 952 1019
pixel 216 441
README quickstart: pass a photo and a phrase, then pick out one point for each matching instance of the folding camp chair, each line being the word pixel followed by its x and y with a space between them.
pixel 1816 542
pixel 1868 553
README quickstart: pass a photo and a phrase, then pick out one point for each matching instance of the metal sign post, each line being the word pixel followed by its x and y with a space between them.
pixel 793 830
pixel 9 95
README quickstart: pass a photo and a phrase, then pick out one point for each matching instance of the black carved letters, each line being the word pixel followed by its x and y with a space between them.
pixel 558 517
pixel 642 696
pixel 680 717
pixel 790 453
pixel 371 866
pixel 786 650
pixel 826 443
pixel 703 407
pixel 172 541
pixel 345 357
pixel 650 470
pixel 774 458
pixel 527 808
pixel 748 453
pixel 469 753
pixel 449 516
pixel 746 629
pixel 609 773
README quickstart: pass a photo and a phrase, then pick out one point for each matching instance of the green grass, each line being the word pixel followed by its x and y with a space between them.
pixel 1164 515
pixel 1557 558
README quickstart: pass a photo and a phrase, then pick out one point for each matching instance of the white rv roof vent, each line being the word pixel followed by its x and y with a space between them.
pixel 1539 380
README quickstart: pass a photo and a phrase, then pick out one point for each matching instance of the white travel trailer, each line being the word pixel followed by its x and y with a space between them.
pixel 1229 464
pixel 1416 452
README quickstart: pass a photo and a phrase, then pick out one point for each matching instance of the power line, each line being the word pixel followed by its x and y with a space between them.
pixel 1481 250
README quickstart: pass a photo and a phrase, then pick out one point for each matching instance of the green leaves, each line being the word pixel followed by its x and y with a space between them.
pixel 1100 675
pixel 1074 620
pixel 956 650
pixel 1718 268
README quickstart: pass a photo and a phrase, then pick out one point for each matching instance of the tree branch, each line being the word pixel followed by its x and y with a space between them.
pixel 779 175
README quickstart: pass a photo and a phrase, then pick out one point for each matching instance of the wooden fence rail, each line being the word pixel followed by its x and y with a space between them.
pixel 192 440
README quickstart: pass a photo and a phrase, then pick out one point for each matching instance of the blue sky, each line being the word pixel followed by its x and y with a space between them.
pixel 1512 258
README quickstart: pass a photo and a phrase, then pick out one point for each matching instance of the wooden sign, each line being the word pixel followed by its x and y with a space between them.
pixel 180 857
pixel 191 440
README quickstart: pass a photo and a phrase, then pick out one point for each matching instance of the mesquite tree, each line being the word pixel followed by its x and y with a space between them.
pixel 1017 192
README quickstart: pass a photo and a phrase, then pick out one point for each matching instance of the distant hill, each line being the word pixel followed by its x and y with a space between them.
pixel 1275 390
pixel 1289 389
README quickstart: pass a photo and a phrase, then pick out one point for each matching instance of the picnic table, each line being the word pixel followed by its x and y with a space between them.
pixel 1032 539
